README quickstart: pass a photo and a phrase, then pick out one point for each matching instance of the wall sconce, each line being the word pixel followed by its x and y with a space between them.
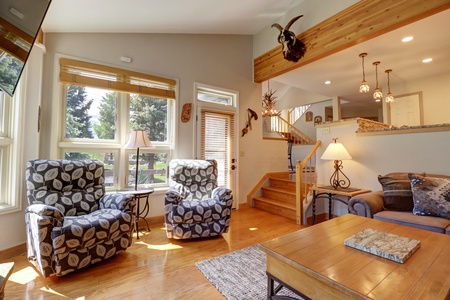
pixel 389 97
pixel 364 88
pixel 138 139
pixel 337 152
pixel 377 95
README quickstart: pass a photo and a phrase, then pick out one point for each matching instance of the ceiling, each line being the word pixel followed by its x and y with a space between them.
pixel 165 16
pixel 431 39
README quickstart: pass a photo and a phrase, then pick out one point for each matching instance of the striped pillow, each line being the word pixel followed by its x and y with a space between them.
pixel 397 191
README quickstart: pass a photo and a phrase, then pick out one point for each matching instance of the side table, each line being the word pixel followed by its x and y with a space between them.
pixel 140 213
pixel 330 193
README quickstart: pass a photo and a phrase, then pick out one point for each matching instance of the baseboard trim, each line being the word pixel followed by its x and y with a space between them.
pixel 9 253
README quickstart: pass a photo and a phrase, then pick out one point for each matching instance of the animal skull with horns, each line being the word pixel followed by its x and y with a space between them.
pixel 293 48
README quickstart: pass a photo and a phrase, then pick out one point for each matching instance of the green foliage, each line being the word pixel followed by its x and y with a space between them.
pixel 78 123
pixel 10 69
pixel 106 129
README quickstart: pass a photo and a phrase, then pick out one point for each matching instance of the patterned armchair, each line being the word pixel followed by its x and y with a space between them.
pixel 194 206
pixel 70 222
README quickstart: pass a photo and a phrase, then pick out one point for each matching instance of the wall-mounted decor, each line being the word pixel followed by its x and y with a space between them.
pixel 309 116
pixel 293 48
pixel 251 114
pixel 186 112
pixel 317 120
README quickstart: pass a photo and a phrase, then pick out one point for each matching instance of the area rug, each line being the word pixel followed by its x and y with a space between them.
pixel 240 274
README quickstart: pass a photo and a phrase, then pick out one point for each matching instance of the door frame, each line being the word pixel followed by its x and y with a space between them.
pixel 218 108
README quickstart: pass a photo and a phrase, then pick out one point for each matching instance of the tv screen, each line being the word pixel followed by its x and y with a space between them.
pixel 20 21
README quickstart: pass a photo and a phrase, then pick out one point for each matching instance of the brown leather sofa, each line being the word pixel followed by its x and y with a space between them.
pixel 375 205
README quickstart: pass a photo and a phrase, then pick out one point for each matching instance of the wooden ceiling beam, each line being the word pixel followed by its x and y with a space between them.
pixel 360 22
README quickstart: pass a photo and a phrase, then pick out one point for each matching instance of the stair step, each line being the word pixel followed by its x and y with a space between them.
pixel 283 183
pixel 276 207
pixel 278 194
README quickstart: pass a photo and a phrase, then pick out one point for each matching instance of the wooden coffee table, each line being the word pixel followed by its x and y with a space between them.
pixel 315 262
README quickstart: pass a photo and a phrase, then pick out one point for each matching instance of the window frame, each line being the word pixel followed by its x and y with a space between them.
pixel 121 159
pixel 11 150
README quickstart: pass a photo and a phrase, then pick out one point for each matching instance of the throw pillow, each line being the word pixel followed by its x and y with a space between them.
pixel 431 196
pixel 397 191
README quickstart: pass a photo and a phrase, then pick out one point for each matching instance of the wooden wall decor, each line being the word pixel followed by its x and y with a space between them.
pixel 186 112
pixel 360 22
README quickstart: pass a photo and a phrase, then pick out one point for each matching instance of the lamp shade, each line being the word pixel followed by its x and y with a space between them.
pixel 336 151
pixel 139 139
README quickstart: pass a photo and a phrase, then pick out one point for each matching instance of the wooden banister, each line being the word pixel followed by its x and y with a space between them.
pixel 305 177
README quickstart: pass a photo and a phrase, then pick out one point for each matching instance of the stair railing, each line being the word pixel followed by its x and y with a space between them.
pixel 295 113
pixel 306 177
pixel 280 125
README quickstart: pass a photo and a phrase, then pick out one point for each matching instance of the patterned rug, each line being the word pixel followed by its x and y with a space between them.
pixel 240 274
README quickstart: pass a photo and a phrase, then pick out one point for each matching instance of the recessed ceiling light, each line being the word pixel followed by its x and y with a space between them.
pixel 427 60
pixel 407 39
pixel 327 82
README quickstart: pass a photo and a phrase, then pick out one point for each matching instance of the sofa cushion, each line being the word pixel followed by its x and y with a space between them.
pixel 434 224
pixel 397 191
pixel 431 196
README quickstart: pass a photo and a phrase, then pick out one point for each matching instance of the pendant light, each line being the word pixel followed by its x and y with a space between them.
pixel 389 97
pixel 364 88
pixel 377 95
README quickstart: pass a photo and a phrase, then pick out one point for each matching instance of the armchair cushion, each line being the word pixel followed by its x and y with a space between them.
pixel 431 196
pixel 88 230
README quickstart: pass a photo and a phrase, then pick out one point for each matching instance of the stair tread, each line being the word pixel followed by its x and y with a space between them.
pixel 275 202
pixel 279 190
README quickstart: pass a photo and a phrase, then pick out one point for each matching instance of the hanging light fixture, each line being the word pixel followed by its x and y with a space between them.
pixel 268 103
pixel 377 95
pixel 389 97
pixel 364 88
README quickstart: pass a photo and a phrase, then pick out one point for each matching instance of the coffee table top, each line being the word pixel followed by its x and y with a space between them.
pixel 319 253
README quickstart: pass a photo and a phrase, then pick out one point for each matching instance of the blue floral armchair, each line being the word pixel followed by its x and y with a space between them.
pixel 195 206
pixel 71 223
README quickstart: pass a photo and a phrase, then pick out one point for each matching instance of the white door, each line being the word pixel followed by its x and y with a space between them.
pixel 406 110
pixel 216 139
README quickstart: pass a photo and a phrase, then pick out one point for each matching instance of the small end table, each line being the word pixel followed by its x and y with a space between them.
pixel 140 214
pixel 330 193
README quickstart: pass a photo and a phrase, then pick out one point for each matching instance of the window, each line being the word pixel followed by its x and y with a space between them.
pixel 10 165
pixel 101 105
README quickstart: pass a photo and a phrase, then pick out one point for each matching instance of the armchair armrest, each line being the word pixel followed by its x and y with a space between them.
pixel 46 213
pixel 124 202
pixel 173 197
pixel 367 204
pixel 222 194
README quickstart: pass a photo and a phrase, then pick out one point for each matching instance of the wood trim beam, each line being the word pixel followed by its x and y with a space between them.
pixel 360 22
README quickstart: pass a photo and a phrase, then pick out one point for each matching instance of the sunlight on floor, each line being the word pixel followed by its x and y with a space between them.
pixel 252 229
pixel 24 276
pixel 169 246
pixel 48 290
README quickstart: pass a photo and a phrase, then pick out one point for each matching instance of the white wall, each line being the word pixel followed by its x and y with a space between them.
pixel 436 96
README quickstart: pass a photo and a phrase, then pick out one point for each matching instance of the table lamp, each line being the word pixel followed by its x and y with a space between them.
pixel 138 139
pixel 337 152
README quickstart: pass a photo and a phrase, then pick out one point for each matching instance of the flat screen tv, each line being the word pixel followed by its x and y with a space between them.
pixel 20 21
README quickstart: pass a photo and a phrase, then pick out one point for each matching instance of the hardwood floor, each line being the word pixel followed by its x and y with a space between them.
pixel 154 267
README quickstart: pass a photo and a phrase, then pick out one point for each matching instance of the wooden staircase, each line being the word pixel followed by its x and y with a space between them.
pixel 278 197
pixel 280 194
